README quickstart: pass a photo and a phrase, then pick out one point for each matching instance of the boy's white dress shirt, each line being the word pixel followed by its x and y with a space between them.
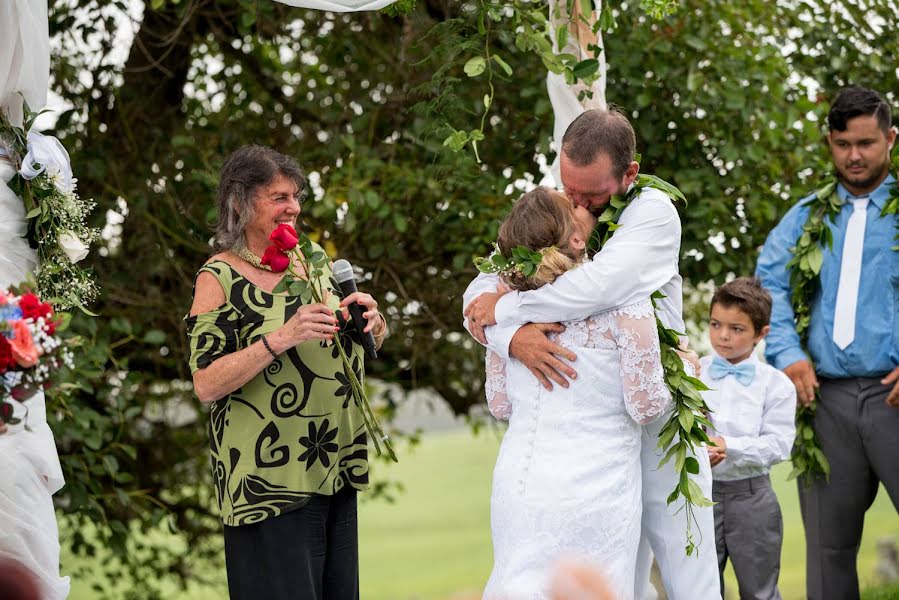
pixel 757 421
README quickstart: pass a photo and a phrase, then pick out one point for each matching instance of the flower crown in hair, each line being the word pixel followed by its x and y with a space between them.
pixel 523 261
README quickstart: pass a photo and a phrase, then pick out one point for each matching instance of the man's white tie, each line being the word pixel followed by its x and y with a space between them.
pixel 850 273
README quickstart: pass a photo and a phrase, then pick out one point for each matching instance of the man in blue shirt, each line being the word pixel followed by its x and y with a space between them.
pixel 853 342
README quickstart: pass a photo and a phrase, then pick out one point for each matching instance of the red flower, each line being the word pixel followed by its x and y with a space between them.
pixel 7 360
pixel 32 307
pixel 276 259
pixel 284 237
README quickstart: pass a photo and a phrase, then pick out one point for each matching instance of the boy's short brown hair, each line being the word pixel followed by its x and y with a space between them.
pixel 748 295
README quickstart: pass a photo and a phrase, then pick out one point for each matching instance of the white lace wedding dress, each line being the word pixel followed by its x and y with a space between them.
pixel 567 481
pixel 29 465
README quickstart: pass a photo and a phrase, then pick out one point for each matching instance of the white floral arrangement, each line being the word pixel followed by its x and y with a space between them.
pixel 57 216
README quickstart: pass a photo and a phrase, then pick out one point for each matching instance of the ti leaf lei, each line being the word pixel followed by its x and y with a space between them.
pixel 685 429
pixel 805 268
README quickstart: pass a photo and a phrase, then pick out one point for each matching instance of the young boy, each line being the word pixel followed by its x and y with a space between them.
pixel 753 407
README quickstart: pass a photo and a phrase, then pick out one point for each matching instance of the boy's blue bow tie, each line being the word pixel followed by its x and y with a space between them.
pixel 744 372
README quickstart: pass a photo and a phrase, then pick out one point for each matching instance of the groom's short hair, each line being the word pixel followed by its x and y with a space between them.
pixel 595 132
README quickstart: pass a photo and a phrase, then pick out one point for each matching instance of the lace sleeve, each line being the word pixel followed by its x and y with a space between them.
pixel 495 387
pixel 646 396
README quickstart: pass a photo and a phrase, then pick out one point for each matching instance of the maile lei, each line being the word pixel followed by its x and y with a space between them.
pixel 805 268
pixel 56 216
pixel 684 430
pixel 287 244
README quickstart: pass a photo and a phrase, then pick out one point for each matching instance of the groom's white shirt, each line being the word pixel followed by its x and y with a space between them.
pixel 640 258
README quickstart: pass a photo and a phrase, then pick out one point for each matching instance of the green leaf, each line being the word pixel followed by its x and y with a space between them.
pixel 503 64
pixel 607 20
pixel 685 417
pixel 815 259
pixel 586 68
pixel 475 66
pixel 456 140
pixel 680 457
pixel 283 285
pixel 155 337
pixel 692 465
pixel 562 35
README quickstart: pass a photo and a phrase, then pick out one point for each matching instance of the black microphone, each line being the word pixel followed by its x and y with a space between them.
pixel 343 275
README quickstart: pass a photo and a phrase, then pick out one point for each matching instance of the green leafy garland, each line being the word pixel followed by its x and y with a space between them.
pixel 57 225
pixel 805 267
pixel 685 429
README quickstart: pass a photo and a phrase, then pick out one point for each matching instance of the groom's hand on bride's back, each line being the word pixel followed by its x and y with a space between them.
pixel 542 357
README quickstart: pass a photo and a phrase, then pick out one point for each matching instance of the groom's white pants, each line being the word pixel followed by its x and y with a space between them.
pixel 664 533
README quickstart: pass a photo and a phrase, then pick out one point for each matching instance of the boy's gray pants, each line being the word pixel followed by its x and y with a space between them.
pixel 749 532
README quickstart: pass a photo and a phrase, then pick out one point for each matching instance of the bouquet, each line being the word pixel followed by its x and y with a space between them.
pixel 286 242
pixel 31 351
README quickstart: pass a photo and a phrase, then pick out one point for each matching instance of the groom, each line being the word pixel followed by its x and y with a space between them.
pixel 597 161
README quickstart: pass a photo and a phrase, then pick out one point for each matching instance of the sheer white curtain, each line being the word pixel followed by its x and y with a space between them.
pixel 564 97
pixel 24 56
pixel 339 5
pixel 28 458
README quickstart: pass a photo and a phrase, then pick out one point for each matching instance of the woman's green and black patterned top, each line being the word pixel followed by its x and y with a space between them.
pixel 291 431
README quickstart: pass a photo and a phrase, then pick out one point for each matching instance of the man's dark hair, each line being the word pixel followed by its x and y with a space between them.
pixel 747 295
pixel 600 131
pixel 854 102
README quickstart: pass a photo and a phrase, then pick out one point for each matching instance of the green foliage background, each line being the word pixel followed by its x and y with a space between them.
pixel 728 101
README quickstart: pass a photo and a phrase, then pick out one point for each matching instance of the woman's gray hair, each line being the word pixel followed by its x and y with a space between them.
pixel 245 171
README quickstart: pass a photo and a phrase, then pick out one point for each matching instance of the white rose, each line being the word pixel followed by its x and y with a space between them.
pixel 73 247
pixel 46 153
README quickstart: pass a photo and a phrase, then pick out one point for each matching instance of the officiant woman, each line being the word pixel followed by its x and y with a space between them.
pixel 287 442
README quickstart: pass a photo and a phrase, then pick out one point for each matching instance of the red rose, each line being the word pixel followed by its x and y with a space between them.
pixel 32 307
pixel 7 360
pixel 276 259
pixel 284 237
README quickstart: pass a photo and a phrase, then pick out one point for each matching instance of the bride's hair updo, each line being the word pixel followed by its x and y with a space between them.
pixel 541 218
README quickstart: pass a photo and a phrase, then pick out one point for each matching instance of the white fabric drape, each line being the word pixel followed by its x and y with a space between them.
pixel 24 56
pixel 339 5
pixel 564 97
pixel 29 463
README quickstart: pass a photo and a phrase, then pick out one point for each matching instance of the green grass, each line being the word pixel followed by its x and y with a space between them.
pixel 434 541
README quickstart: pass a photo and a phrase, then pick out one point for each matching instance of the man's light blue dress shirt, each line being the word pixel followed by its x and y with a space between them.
pixel 875 349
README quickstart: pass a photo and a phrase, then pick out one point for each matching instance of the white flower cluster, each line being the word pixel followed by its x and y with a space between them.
pixel 47 345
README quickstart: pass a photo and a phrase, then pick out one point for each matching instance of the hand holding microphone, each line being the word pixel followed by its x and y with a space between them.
pixel 363 308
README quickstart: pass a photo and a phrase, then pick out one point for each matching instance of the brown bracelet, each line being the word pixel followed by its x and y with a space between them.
pixel 269 348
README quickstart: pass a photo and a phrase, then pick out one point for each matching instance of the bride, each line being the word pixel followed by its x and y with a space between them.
pixel 567 480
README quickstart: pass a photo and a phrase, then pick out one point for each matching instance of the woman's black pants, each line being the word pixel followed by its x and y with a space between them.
pixel 311 553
